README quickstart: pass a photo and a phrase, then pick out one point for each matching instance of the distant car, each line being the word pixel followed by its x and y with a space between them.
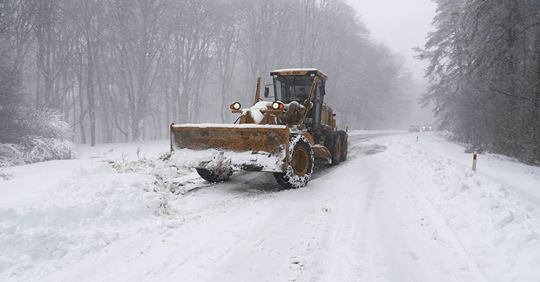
pixel 427 127
pixel 414 128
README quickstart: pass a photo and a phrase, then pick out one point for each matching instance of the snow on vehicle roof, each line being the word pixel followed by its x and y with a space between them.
pixel 296 69
pixel 302 71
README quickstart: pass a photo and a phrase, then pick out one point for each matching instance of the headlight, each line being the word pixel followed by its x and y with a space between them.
pixel 278 106
pixel 235 106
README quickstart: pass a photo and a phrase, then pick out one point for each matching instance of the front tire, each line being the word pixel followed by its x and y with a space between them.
pixel 300 166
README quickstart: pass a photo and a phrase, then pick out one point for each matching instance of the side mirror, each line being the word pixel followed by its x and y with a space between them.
pixel 266 92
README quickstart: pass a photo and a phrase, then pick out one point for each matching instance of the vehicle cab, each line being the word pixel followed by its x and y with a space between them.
pixel 294 85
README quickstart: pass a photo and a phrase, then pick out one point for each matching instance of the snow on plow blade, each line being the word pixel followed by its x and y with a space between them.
pixel 247 146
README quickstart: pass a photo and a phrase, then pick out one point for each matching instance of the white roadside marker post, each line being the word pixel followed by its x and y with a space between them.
pixel 474 158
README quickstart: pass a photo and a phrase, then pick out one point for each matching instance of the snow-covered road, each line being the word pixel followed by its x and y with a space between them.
pixel 397 210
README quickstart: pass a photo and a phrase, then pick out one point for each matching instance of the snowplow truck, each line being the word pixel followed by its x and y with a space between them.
pixel 286 133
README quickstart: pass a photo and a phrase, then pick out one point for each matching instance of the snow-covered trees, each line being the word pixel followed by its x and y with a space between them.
pixel 10 103
pixel 485 73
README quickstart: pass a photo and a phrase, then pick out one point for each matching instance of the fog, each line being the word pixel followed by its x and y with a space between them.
pixel 401 25
pixel 123 71
pixel 109 71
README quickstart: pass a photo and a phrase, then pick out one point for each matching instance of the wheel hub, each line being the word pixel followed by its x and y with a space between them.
pixel 300 161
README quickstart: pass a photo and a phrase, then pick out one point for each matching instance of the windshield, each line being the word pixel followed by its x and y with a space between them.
pixel 292 88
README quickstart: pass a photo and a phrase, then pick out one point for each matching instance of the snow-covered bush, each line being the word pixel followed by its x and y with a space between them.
pixel 42 136
pixel 11 154
pixel 45 149
pixel 46 124
pixel 28 135
pixel 49 137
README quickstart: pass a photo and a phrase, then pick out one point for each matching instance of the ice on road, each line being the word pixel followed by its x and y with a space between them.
pixel 397 210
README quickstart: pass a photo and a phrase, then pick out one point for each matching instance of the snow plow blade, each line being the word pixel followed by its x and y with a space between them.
pixel 247 146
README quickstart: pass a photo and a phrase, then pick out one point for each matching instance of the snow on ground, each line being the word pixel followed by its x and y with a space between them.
pixel 494 213
pixel 57 212
pixel 397 210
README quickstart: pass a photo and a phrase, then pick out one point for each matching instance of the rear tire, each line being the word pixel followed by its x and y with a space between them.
pixel 344 145
pixel 300 166
pixel 333 143
pixel 214 176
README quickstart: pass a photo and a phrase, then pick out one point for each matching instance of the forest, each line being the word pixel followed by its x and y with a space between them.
pixel 117 71
pixel 484 71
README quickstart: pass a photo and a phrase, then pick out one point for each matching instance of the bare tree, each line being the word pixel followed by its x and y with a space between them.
pixel 122 70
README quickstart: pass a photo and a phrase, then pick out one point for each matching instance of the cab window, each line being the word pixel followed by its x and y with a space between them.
pixel 293 88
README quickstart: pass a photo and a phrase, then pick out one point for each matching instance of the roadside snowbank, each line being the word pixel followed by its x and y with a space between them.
pixel 98 203
pixel 523 179
pixel 92 207
pixel 497 225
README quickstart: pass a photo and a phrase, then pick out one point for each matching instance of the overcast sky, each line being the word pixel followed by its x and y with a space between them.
pixel 399 24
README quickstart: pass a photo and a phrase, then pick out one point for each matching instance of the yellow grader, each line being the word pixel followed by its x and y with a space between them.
pixel 286 136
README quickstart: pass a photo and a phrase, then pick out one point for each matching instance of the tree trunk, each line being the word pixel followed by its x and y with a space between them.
pixel 90 92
